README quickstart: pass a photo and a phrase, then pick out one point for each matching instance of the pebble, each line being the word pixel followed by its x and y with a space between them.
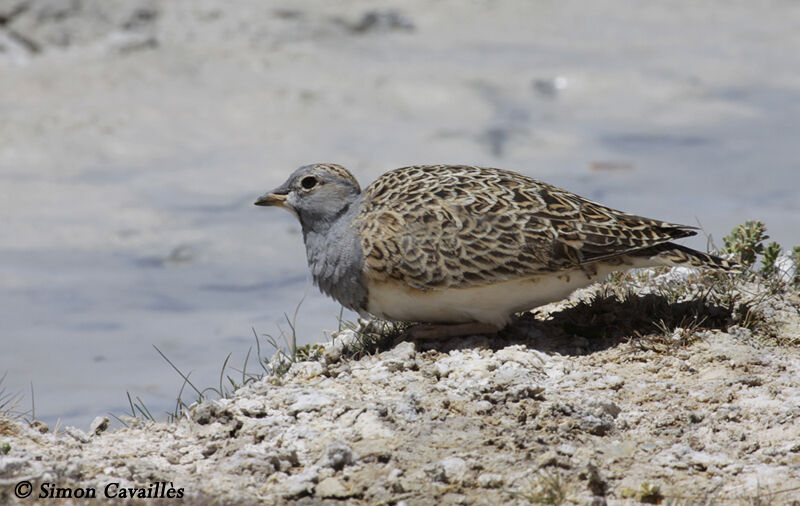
pixel 331 488
pixel 309 402
pixel 306 370
pixel 566 449
pixel 338 455
pixel 369 426
pixel 10 466
pixel 482 407
pixel 490 480
pixel 99 425
pixel 302 483
pixel 401 357
pixel 77 434
pixel 251 407
pixel 521 355
pixel 614 382
pixel 451 470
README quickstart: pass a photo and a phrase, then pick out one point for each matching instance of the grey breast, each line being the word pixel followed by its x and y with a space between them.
pixel 336 259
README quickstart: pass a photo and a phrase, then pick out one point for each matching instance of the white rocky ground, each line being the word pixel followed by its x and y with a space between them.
pixel 583 403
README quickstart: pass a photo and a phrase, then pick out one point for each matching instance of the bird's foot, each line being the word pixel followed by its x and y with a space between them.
pixel 427 331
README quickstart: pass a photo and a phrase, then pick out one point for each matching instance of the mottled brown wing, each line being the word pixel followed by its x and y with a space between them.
pixel 458 226
pixel 597 232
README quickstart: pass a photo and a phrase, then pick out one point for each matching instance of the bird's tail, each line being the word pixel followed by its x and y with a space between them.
pixel 680 256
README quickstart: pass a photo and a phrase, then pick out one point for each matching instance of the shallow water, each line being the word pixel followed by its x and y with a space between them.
pixel 127 183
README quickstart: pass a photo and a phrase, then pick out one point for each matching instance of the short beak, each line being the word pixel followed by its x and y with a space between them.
pixel 271 199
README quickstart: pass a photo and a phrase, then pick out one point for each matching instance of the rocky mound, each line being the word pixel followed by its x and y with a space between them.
pixel 551 411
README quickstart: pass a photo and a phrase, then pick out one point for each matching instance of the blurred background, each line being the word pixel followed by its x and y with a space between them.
pixel 135 135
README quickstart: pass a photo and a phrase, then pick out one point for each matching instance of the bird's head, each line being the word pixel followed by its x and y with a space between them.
pixel 317 194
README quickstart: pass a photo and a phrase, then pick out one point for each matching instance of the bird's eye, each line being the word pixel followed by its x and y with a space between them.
pixel 308 182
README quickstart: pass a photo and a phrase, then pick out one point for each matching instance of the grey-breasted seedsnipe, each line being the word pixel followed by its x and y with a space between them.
pixel 461 245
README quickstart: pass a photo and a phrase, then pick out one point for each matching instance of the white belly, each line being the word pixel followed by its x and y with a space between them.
pixel 492 304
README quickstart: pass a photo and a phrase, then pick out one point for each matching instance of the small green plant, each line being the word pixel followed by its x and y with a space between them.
pixel 666 309
pixel 771 254
pixel 372 336
pixel 309 353
pixel 650 493
pixel 547 488
pixel 5 448
pixel 647 493
pixel 287 353
pixel 10 402
pixel 225 388
pixel 282 360
pixel 746 241
pixel 796 259
pixel 138 410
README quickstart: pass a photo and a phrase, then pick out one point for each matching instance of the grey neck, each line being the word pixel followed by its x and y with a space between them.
pixel 336 260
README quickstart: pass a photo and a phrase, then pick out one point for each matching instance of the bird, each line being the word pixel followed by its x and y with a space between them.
pixel 460 249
